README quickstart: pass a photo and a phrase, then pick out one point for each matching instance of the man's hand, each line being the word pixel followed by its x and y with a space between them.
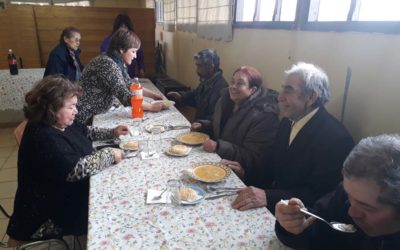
pixel 210 146
pixel 196 126
pixel 121 130
pixel 175 95
pixel 235 166
pixel 250 197
pixel 290 218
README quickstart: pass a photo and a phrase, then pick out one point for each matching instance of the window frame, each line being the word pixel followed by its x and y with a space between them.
pixel 301 22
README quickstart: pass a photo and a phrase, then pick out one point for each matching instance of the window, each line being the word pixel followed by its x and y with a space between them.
pixel 53 2
pixel 186 15
pixel 169 15
pixel 150 4
pixel 159 9
pixel 335 15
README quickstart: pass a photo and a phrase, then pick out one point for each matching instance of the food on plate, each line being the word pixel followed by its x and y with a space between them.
pixel 188 194
pixel 193 138
pixel 131 145
pixel 179 149
pixel 209 172
pixel 165 103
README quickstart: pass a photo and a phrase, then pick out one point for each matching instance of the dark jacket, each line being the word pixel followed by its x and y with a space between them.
pixel 205 96
pixel 311 166
pixel 247 134
pixel 334 207
pixel 61 62
pixel 45 158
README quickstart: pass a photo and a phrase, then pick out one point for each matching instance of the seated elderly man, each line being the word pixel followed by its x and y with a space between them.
pixel 309 148
pixel 369 199
pixel 205 96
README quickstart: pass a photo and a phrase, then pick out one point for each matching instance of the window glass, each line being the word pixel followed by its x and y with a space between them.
pixel 332 10
pixel 288 10
pixel 379 10
pixel 267 10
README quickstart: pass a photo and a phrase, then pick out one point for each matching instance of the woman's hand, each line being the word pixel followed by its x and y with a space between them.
pixel 156 107
pixel 210 146
pixel 121 130
pixel 196 126
pixel 290 218
pixel 235 166
pixel 118 154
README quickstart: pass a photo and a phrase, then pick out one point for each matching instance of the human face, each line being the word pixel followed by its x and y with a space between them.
pixel 128 55
pixel 373 217
pixel 239 88
pixel 74 41
pixel 203 71
pixel 294 105
pixel 66 115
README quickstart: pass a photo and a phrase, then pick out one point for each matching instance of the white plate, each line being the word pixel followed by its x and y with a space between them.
pixel 168 152
pixel 210 172
pixel 165 103
pixel 200 192
pixel 122 145
pixel 149 127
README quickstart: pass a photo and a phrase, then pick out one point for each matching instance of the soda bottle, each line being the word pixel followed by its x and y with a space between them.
pixel 12 63
pixel 137 99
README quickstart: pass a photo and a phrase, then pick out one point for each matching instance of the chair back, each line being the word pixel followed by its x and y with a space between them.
pixel 19 131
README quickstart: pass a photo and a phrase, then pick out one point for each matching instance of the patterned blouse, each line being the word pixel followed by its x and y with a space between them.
pixel 101 80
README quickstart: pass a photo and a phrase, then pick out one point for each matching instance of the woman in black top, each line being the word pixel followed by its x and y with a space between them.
pixel 55 161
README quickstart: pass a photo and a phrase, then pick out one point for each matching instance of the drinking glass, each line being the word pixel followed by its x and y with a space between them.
pixel 174 186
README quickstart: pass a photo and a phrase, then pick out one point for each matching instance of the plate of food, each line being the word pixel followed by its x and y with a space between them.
pixel 192 138
pixel 210 172
pixel 150 127
pixel 189 195
pixel 165 103
pixel 178 150
pixel 129 145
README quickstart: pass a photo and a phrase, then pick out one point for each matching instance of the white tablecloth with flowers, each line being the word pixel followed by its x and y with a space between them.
pixel 14 87
pixel 120 219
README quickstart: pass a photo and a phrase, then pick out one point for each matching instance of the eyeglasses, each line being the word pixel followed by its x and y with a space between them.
pixel 238 84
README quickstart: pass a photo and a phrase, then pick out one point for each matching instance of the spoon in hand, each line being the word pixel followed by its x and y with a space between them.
pixel 342 227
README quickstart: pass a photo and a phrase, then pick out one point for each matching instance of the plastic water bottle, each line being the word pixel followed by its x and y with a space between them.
pixel 137 99
pixel 12 63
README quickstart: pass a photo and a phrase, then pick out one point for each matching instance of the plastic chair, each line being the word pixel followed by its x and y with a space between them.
pixel 22 245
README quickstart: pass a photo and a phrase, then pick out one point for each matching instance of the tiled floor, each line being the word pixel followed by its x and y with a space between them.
pixel 8 181
pixel 8 173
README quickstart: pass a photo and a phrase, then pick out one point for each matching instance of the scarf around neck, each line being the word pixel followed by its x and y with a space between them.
pixel 117 58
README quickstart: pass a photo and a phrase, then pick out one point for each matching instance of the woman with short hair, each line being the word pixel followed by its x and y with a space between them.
pixel 244 123
pixel 106 77
pixel 64 58
pixel 55 161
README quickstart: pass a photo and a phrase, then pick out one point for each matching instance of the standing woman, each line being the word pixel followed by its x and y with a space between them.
pixel 124 21
pixel 106 77
pixel 64 59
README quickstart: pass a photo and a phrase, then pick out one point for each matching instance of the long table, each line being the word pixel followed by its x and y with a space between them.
pixel 120 219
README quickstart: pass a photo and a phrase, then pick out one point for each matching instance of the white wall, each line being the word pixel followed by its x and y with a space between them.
pixel 374 60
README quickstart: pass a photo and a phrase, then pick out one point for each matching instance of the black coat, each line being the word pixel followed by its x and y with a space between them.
pixel 45 158
pixel 311 166
pixel 334 207
pixel 205 96
pixel 246 135
pixel 61 62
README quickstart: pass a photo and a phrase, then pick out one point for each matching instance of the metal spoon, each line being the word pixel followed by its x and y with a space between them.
pixel 342 227
pixel 158 197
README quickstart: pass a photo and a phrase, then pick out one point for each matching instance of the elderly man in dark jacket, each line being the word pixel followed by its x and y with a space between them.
pixel 245 121
pixel 369 199
pixel 309 149
pixel 206 95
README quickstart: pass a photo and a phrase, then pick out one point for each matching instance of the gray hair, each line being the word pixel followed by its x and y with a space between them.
pixel 377 159
pixel 208 57
pixel 314 79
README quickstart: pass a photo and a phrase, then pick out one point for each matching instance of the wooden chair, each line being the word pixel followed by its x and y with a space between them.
pixel 19 131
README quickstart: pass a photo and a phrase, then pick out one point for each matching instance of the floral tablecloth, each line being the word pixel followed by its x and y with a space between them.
pixel 120 219
pixel 14 87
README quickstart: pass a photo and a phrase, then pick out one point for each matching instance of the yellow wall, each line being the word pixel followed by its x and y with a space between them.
pixel 373 97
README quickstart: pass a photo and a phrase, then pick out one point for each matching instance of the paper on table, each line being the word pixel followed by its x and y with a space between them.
pixel 145 156
pixel 151 193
